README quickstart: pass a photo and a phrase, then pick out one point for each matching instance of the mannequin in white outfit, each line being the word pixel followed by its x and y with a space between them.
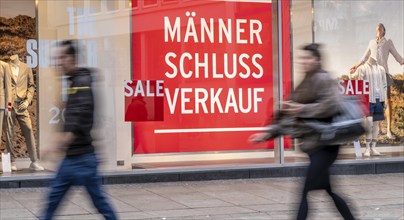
pixel 376 75
pixel 380 49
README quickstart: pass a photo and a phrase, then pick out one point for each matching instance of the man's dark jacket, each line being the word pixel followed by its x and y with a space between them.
pixel 79 113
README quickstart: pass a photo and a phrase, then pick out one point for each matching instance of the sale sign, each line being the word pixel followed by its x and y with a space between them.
pixel 202 76
pixel 357 88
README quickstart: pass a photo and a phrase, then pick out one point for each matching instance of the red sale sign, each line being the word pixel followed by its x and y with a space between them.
pixel 358 88
pixel 202 76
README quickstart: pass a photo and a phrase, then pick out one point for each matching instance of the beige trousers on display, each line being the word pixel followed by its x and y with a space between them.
pixel 2 116
pixel 24 120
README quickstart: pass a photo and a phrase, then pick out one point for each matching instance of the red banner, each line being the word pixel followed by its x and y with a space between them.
pixel 214 59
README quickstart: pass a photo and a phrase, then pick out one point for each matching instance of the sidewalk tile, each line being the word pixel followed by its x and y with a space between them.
pixel 225 210
pixel 370 197
pixel 250 216
pixel 135 215
pixel 239 198
pixel 176 213
pixel 16 214
pixel 79 217
pixel 273 207
pixel 165 190
pixel 156 205
pixel 10 205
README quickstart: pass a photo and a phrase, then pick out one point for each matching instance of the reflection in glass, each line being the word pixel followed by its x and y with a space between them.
pixel 112 5
pixel 150 2
pixel 95 6
pixel 79 7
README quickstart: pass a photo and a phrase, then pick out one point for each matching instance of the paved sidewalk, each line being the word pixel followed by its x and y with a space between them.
pixel 373 196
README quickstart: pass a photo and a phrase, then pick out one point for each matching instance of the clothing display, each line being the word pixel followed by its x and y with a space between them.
pixel 5 78
pixel 22 89
pixel 376 75
pixel 380 52
pixel 376 110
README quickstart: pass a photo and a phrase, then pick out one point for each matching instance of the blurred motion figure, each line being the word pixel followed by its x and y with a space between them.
pixel 316 97
pixel 79 166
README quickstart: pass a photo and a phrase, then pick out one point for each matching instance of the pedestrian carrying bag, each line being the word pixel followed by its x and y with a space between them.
pixel 346 126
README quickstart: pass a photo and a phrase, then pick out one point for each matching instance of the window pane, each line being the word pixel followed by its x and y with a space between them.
pixel 112 5
pixel 129 2
pixel 79 6
pixel 150 2
pixel 95 6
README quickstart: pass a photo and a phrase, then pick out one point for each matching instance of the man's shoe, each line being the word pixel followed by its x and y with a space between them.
pixel 367 153
pixel 374 152
pixel 36 166
pixel 13 166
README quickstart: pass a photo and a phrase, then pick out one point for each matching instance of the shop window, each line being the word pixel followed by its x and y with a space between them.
pixel 130 3
pixel 111 5
pixel 79 6
pixel 150 2
pixel 94 7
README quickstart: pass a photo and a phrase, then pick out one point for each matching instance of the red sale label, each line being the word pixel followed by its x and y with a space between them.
pixel 358 88
pixel 210 64
pixel 144 100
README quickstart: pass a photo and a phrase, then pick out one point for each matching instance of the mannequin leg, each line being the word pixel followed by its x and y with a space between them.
pixel 388 118
pixel 369 125
pixel 375 132
pixel 10 123
pixel 380 128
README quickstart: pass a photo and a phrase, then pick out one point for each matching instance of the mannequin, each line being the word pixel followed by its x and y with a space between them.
pixel 376 75
pixel 15 63
pixel 22 89
pixel 5 106
pixel 380 48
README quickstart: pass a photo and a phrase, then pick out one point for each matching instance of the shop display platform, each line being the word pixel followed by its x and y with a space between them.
pixel 293 166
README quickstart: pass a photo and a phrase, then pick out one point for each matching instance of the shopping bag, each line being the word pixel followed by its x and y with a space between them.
pixel 346 126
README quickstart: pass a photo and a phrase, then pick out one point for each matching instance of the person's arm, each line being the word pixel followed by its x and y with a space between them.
pixel 365 57
pixel 30 90
pixel 63 140
pixel 31 86
pixel 7 85
pixel 395 54
pixel 356 74
pixel 384 80
pixel 361 73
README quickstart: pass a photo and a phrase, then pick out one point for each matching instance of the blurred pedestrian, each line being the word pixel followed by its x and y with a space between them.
pixel 316 97
pixel 79 166
pixel 380 49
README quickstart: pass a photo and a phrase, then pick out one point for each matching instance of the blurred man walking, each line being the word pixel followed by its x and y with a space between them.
pixel 79 167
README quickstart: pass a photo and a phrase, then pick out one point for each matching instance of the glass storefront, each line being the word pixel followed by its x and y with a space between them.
pixel 182 83
pixel 344 28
